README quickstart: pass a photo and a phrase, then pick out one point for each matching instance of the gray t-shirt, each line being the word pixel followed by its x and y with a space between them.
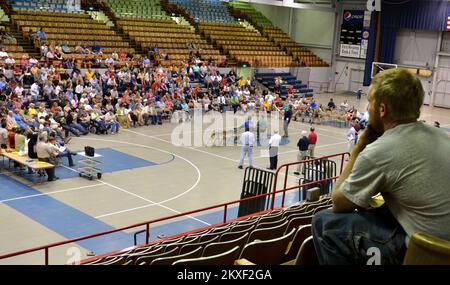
pixel 409 165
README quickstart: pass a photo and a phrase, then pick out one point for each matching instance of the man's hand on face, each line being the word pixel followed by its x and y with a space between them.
pixel 369 136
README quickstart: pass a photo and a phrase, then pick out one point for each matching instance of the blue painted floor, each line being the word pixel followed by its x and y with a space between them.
pixel 71 223
pixel 111 161
pixel 59 217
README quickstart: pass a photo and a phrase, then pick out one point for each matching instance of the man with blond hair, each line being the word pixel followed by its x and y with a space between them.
pixel 403 160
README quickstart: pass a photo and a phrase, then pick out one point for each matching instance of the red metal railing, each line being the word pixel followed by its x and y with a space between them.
pixel 286 174
pixel 46 248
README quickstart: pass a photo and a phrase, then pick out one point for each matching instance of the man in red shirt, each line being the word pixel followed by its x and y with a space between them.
pixel 312 141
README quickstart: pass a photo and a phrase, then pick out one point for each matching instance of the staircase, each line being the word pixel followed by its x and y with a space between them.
pixel 103 12
pixel 100 16
pixel 133 44
pixel 27 46
pixel 175 9
pixel 95 5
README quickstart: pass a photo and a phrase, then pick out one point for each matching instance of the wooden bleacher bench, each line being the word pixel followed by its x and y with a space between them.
pixel 27 161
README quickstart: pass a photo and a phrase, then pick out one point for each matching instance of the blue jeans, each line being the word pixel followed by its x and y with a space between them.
pixel 67 154
pixel 114 127
pixel 345 238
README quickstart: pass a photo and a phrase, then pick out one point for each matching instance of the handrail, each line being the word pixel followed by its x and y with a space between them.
pixel 46 248
pixel 286 173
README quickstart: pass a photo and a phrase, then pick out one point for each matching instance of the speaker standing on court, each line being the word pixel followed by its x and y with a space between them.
pixel 274 144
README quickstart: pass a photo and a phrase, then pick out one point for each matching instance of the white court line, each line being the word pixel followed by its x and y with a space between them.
pixel 49 193
pixel 188 147
pixel 137 196
pixel 152 202
pixel 205 152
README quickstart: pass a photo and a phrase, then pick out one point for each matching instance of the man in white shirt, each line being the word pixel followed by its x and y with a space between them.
pixel 351 139
pixel 34 91
pixel 247 141
pixel 274 144
pixel 222 102
pixel 3 54
pixel 10 61
pixel 269 98
pixel 19 90
pixel 79 90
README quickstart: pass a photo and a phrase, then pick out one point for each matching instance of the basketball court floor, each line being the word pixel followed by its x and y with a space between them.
pixel 144 177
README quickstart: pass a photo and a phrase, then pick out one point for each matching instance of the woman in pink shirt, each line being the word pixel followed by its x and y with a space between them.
pixel 23 62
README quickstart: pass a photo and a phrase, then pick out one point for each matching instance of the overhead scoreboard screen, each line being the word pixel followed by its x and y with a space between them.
pixel 354 36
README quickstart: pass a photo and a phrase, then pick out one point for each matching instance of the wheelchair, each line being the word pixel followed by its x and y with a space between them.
pixel 96 127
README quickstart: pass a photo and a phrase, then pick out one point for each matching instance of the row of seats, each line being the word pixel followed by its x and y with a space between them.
pixel 201 10
pixel 151 34
pixel 68 31
pixel 304 56
pixel 155 29
pixel 138 8
pixel 74 26
pixel 299 89
pixel 258 52
pixel 250 48
pixel 154 42
pixel 51 18
pixel 80 14
pixel 186 52
pixel 51 5
pixel 260 45
pixel 71 30
pixel 269 239
pixel 13 49
pixel 174 43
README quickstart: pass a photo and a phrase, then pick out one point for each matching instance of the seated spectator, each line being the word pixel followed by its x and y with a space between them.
pixel 115 56
pixel 109 61
pixel 414 192
pixel 32 146
pixel 3 53
pixel 33 61
pixel 41 36
pixel 66 49
pixel 112 121
pixel 96 49
pixel 79 50
pixel 24 62
pixel 344 106
pixel 31 35
pixel 44 152
pixel 59 151
pixel 331 105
